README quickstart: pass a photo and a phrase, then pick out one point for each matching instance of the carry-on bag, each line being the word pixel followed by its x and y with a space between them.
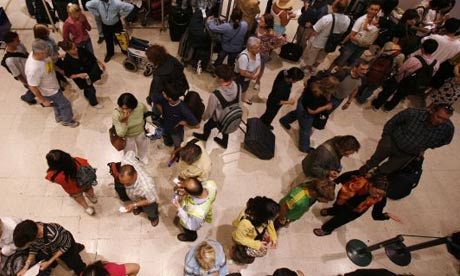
pixel 259 139
pixel 178 21
pixel 291 51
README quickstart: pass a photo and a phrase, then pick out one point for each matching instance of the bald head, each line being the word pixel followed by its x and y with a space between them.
pixel 193 186
pixel 127 175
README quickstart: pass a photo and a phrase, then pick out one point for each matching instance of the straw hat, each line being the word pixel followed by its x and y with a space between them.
pixel 284 4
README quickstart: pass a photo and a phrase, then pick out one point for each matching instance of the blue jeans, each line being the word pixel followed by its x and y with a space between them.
pixel 349 53
pixel 62 107
pixel 305 124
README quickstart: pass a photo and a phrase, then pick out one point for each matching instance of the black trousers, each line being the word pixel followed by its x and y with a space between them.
pixel 189 234
pixel 71 258
pixel 389 88
pixel 109 35
pixel 270 113
pixel 90 94
pixel 341 215
pixel 210 125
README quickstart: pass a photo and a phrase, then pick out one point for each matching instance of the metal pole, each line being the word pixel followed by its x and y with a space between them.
pixel 49 16
pixel 396 239
pixel 427 244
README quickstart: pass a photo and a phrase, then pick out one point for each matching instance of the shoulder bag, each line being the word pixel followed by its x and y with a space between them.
pixel 119 143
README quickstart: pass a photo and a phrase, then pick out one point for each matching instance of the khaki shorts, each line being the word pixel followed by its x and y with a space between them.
pixel 312 55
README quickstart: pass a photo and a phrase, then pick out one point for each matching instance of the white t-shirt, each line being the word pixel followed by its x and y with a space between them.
pixel 246 63
pixel 324 25
pixel 17 64
pixel 41 73
pixel 447 47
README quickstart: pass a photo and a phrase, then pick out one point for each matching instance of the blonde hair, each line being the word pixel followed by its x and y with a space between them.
pixel 205 256
pixel 326 86
pixel 73 8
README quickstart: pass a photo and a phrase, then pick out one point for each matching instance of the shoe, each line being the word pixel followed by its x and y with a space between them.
pixel 286 126
pixel 154 222
pixel 324 212
pixel 98 106
pixel 57 120
pixel 90 211
pixel 30 102
pixel 107 58
pixel 256 86
pixel 100 40
pixel 199 136
pixel 320 232
pixel 71 124
pixel 92 199
pixel 80 247
pixel 136 211
pixel 183 238
pixel 220 142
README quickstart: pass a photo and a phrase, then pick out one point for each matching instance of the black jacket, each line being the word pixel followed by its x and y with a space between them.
pixel 86 63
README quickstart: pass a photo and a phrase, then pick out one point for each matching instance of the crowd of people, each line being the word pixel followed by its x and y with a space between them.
pixel 418 56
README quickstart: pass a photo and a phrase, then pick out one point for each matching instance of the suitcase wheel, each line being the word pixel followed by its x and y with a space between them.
pixel 130 65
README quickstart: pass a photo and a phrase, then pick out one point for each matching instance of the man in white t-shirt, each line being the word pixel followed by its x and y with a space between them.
pixel 314 53
pixel 353 47
pixel 42 81
pixel 448 44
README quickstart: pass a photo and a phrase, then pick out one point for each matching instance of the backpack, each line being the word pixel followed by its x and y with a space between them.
pixel 8 55
pixel 194 102
pixel 86 176
pixel 381 68
pixel 418 82
pixel 230 119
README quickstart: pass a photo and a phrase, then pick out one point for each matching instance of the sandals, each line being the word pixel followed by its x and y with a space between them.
pixel 320 232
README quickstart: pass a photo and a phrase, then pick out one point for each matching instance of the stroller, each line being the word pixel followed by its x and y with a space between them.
pixel 136 56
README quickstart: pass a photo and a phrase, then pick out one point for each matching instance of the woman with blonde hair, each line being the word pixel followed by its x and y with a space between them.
pixel 206 258
pixel 76 28
pixel 315 100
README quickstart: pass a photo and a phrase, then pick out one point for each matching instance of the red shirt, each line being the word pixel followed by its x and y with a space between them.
pixel 115 269
pixel 70 186
pixel 76 30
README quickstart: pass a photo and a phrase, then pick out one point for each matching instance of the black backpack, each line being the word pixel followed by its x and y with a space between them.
pixel 86 176
pixel 232 113
pixel 8 55
pixel 418 82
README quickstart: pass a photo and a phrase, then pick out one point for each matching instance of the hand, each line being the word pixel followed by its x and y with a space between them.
pixel 46 103
pixel 346 106
pixel 176 203
pixel 328 107
pixel 333 174
pixel 124 116
pixel 22 272
pixel 129 207
pixel 181 123
pixel 83 75
pixel 291 101
pixel 393 217
pixel 102 66
pixel 274 245
pixel 44 265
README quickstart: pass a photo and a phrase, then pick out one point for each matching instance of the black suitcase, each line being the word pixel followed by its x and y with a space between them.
pixel 5 24
pixel 178 21
pixel 291 51
pixel 259 139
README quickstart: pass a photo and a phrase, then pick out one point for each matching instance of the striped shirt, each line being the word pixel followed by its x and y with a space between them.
pixel 143 188
pixel 55 238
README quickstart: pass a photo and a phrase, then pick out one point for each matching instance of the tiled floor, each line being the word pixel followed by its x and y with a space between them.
pixel 29 132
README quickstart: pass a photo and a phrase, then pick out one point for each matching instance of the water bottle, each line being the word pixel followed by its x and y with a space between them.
pixel 88 81
pixel 198 67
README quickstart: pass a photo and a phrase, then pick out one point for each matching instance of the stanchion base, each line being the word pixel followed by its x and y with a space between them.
pixel 358 253
pixel 398 254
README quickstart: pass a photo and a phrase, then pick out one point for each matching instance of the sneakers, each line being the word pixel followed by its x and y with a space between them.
pixel 286 126
pixel 98 106
pixel 220 142
pixel 256 86
pixel 100 40
pixel 71 124
pixel 90 211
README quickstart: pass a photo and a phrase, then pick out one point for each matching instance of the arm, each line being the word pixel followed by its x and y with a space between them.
pixel 320 109
pixel 85 22
pixel 39 95
pixel 121 127
pixel 221 28
pixel 47 263
pixel 29 261
pixel 66 31
pixel 92 7
pixel 350 99
pixel 241 235
pixel 125 8
pixel 320 163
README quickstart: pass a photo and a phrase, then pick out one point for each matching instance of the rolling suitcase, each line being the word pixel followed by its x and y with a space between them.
pixel 178 21
pixel 259 139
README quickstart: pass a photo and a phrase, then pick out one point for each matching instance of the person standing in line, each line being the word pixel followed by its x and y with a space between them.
pixel 248 67
pixel 282 13
pixel 279 95
pixel 206 258
pixel 311 12
pixel 43 83
pixel 110 12
pixel 250 10
pixel 76 28
pixel 63 170
pixel 129 123
pixel 192 160
pixel 14 62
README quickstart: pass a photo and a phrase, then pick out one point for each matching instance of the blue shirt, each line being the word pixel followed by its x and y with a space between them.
pixel 173 114
pixel 232 39
pixel 109 12
pixel 192 268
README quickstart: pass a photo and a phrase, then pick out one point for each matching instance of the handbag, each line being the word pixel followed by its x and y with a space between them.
pixel 320 120
pixel 291 51
pixel 119 143
pixel 261 236
pixel 334 39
